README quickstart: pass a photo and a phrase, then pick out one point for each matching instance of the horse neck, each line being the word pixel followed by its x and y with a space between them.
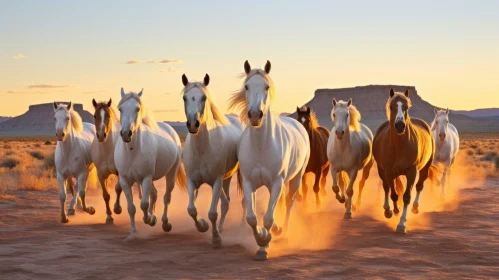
pixel 400 140
pixel 345 143
pixel 266 132
pixel 201 140
pixel 68 144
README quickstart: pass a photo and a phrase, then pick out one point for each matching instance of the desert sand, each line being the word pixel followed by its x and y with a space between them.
pixel 455 238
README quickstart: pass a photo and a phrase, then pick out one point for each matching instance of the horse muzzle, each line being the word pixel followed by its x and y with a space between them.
pixel 60 136
pixel 441 136
pixel 339 134
pixel 193 126
pixel 400 127
pixel 101 136
pixel 255 118
pixel 126 135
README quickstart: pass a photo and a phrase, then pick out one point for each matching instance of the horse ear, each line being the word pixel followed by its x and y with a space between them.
pixel 435 110
pixel 334 102
pixel 69 106
pixel 140 93
pixel 184 80
pixel 349 102
pixel 55 106
pixel 447 111
pixel 122 93
pixel 308 110
pixel 267 67
pixel 298 110
pixel 94 103
pixel 109 102
pixel 206 80
pixel 406 92
pixel 247 67
pixel 392 93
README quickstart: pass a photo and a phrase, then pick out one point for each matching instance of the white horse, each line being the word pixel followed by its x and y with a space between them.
pixel 274 151
pixel 349 149
pixel 210 153
pixel 72 157
pixel 148 152
pixel 108 128
pixel 447 143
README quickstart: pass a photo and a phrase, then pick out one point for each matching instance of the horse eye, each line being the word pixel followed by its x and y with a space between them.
pixel 390 107
pixel 138 109
pixel 267 88
pixel 203 98
pixel 334 115
pixel 246 87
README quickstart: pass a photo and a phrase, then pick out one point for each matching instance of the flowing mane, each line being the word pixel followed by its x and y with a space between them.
pixel 237 101
pixel 75 118
pixel 147 117
pixel 354 115
pixel 217 115
pixel 397 95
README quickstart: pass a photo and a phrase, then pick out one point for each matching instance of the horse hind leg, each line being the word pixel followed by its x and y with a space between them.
pixel 365 176
pixel 105 194
pixel 325 171
pixel 224 205
pixel 145 203
pixel 117 207
pixel 411 177
pixel 394 195
pixel 82 186
pixel 316 188
pixel 170 185
pixel 213 213
pixel 353 175
pixel 423 175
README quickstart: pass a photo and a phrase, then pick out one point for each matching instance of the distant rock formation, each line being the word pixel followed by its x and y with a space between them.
pixel 38 121
pixel 2 119
pixel 480 113
pixel 371 100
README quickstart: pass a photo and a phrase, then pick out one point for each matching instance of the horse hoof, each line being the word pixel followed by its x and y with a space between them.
pixel 216 242
pixel 202 225
pixel 354 208
pixel 347 216
pixel 263 238
pixel 260 256
pixel 90 210
pixel 64 220
pixel 414 210
pixel 276 230
pixel 152 220
pixel 400 229
pixel 388 214
pixel 71 212
pixel 396 211
pixel 132 237
pixel 109 221
pixel 117 209
pixel 167 227
pixel 341 199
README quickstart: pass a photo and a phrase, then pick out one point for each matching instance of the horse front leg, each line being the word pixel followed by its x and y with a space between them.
pixel 411 177
pixel 125 185
pixel 76 197
pixel 82 187
pixel 325 171
pixel 170 185
pixel 117 207
pixel 386 187
pixel 62 196
pixel 192 189
pixel 224 205
pixel 147 186
pixel 336 189
pixel 353 175
pixel 262 236
pixel 213 213
pixel 105 194
pixel 317 174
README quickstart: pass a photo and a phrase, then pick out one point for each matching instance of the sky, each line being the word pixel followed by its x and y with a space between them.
pixel 79 50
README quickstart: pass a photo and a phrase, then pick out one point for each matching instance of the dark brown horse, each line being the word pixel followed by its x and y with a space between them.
pixel 403 146
pixel 318 163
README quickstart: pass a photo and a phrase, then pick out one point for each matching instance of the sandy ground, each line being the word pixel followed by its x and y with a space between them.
pixel 457 238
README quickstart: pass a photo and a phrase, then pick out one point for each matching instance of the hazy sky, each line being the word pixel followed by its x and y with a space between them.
pixel 77 50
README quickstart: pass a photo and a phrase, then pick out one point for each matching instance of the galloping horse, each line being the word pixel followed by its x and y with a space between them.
pixel 210 153
pixel 403 146
pixel 447 142
pixel 349 149
pixel 274 151
pixel 72 156
pixel 148 152
pixel 107 124
pixel 318 163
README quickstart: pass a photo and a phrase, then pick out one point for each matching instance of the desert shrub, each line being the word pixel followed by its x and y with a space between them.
pixel 37 145
pixel 7 147
pixel 37 155
pixel 479 151
pixel 473 146
pixel 48 142
pixel 9 162
pixel 30 181
pixel 49 162
pixel 469 152
pixel 9 153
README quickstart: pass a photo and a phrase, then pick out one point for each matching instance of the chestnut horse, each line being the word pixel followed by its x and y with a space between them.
pixel 403 146
pixel 318 163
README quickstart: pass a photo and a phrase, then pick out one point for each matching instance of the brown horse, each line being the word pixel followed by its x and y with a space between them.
pixel 318 163
pixel 403 146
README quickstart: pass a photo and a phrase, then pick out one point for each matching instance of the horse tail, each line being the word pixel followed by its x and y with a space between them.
pixel 92 180
pixel 181 178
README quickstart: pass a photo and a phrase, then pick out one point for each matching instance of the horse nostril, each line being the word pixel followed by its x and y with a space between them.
pixel 197 124
pixel 342 132
pixel 261 114
pixel 188 124
pixel 129 133
pixel 63 134
pixel 121 133
pixel 104 135
pixel 249 114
